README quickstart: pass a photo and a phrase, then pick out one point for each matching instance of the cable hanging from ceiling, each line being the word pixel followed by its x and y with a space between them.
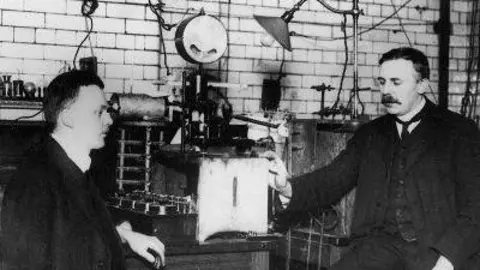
pixel 469 100
pixel 158 9
pixel 87 9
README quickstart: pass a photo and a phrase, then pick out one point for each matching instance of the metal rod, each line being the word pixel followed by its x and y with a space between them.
pixel 339 11
pixel 288 15
pixel 309 242
pixel 148 131
pixel 443 30
pixel 289 249
pixel 121 161
pixel 184 112
pixel 355 14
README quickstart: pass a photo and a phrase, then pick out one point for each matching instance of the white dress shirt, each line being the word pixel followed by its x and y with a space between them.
pixel 79 157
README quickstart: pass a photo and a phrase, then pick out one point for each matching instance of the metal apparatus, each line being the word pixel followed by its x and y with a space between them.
pixel 137 140
pixel 216 189
pixel 199 197
pixel 177 189
pixel 277 27
pixel 206 113
pixel 206 47
pixel 138 106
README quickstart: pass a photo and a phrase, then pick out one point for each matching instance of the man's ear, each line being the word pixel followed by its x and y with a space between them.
pixel 423 86
pixel 65 118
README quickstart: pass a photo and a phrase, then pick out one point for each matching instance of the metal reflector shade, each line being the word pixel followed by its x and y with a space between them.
pixel 277 28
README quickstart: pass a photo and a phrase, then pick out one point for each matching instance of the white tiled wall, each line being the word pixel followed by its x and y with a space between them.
pixel 39 38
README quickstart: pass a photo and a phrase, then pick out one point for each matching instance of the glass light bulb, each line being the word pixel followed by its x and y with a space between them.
pixel 266 40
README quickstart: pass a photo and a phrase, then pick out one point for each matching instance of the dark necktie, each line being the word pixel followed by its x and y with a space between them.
pixel 406 124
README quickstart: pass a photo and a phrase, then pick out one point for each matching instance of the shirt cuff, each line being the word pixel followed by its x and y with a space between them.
pixel 285 200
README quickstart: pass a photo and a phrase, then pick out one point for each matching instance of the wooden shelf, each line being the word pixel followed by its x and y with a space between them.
pixel 20 112
pixel 22 123
pixel 20 104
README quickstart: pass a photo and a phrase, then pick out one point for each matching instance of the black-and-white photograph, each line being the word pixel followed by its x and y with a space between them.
pixel 239 134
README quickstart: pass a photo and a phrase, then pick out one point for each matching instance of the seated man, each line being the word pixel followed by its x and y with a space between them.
pixel 53 216
pixel 417 176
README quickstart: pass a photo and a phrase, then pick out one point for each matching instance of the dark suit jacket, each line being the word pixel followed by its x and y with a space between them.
pixel 442 181
pixel 54 218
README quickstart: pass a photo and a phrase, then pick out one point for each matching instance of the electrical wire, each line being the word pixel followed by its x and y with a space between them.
pixel 467 104
pixel 92 53
pixel 401 23
pixel 353 93
pixel 163 50
pixel 158 9
pixel 477 81
pixel 370 27
pixel 345 63
pixel 293 33
pixel 382 21
pixel 419 23
pixel 223 63
pixel 475 61
pixel 28 116
pixel 83 41
pixel 87 9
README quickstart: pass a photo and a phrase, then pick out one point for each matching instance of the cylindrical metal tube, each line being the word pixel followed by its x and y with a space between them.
pixel 139 106
pixel 255 121
pixel 356 14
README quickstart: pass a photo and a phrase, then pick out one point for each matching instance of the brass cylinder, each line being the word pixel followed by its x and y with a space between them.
pixel 139 106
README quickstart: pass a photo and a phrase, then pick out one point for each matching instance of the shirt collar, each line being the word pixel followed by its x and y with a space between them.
pixel 413 125
pixel 79 157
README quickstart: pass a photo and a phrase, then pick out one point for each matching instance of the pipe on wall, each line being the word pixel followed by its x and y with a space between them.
pixel 443 29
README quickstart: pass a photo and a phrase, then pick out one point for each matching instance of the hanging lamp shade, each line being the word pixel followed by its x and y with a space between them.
pixel 277 28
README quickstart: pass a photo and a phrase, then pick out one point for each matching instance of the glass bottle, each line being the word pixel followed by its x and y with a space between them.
pixel 7 84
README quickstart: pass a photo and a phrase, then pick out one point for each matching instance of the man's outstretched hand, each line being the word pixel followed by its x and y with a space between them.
pixel 278 180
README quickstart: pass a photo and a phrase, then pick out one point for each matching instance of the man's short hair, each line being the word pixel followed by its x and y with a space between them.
pixel 419 60
pixel 63 90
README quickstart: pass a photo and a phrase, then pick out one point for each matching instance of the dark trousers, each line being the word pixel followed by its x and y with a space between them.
pixel 386 252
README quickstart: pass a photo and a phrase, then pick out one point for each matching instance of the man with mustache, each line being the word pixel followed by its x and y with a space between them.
pixel 416 171
pixel 52 215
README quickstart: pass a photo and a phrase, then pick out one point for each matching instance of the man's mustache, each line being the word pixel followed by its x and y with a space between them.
pixel 388 99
